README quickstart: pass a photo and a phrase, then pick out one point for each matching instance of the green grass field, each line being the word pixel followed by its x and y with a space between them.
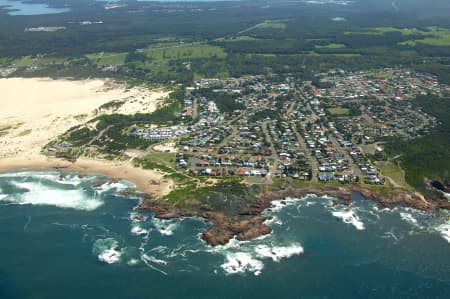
pixel 185 52
pixel 164 162
pixel 433 36
pixel 164 158
pixel 103 59
pixel 348 55
pixel 331 46
pixel 383 30
pixel 271 25
pixel 391 170
pixel 5 61
pixel 28 61
pixel 242 38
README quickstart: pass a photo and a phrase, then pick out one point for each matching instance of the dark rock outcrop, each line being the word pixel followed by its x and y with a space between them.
pixel 249 224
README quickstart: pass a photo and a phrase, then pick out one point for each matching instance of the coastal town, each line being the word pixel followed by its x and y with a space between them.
pixel 331 130
pixel 222 149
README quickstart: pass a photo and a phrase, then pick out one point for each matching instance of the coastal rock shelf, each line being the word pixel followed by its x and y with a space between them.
pixel 250 224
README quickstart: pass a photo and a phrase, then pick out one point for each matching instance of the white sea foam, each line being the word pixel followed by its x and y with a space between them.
pixel 385 210
pixel 277 253
pixel 447 195
pixel 106 250
pixel 390 234
pixel 109 256
pixel 53 176
pixel 39 194
pixel 133 262
pixel 166 227
pixel 138 231
pixel 149 261
pixel 73 180
pixel 273 220
pixel 408 218
pixel 241 262
pixel 349 217
pixel 444 230
pixel 136 217
pixel 2 196
pixel 182 251
pixel 278 205
pixel 112 186
pixel 232 244
pixel 154 260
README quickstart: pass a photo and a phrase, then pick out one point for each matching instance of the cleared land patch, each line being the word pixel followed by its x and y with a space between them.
pixel 338 111
pixel 395 173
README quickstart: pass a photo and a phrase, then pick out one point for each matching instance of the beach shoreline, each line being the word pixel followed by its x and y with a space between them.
pixel 149 182
pixel 35 111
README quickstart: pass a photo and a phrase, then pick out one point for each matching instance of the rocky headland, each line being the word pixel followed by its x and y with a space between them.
pixel 247 222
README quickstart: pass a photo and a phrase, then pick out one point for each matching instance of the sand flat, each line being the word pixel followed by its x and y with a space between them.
pixel 39 97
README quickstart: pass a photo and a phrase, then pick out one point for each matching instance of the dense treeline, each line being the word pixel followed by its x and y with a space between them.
pixel 429 156
pixel 139 24
pixel 297 41
pixel 226 102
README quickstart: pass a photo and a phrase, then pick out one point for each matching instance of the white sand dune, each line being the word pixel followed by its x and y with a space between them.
pixel 34 111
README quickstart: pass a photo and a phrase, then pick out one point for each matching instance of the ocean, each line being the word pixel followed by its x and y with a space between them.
pixel 81 237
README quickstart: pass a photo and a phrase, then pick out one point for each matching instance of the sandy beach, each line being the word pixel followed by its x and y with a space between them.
pixel 147 181
pixel 34 111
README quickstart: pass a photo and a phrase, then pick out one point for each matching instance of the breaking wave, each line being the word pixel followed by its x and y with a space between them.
pixel 241 262
pixel 137 230
pixel 349 216
pixel 106 250
pixel 36 193
pixel 56 189
pixel 277 253
pixel 166 227
pixel 241 257
pixel 112 187
pixel 144 242
pixel 444 230
pixel 408 218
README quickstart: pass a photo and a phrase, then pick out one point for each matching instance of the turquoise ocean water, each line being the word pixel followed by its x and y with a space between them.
pixel 80 237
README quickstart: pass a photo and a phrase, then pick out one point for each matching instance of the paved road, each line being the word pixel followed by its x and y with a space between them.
pixel 274 155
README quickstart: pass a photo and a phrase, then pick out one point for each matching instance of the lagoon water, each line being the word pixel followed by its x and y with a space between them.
pixel 19 8
pixel 80 237
pixel 22 8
